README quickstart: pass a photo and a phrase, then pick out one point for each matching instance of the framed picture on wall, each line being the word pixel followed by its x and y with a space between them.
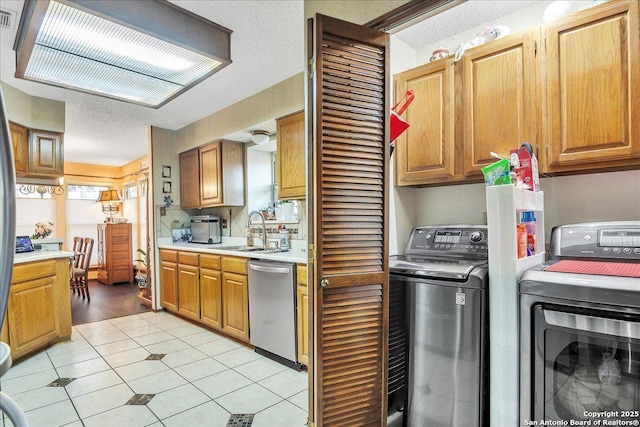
pixel 166 187
pixel 166 171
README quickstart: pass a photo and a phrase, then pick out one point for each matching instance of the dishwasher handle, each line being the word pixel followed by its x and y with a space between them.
pixel 269 269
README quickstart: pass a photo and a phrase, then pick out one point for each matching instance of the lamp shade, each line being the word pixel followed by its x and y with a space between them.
pixel 108 196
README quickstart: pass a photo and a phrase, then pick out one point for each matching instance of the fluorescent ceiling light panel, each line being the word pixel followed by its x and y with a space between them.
pixel 145 52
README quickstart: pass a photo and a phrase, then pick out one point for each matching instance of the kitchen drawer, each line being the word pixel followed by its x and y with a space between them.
pixel 169 256
pixel 31 271
pixel 121 262
pixel 234 265
pixel 120 274
pixel 120 230
pixel 188 258
pixel 120 247
pixel 210 261
pixel 119 240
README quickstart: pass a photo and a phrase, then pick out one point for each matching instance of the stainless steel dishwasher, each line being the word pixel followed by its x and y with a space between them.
pixel 272 310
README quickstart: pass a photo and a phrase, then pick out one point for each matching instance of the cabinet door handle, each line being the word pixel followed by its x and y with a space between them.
pixel 324 283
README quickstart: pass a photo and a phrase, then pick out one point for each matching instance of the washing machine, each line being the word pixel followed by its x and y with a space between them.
pixel 580 327
pixel 438 333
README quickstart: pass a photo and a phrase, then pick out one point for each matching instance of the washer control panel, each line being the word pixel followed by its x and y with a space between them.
pixel 449 240
pixel 611 240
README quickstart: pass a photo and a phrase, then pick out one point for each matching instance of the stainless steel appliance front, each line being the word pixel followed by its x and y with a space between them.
pixel 580 333
pixel 444 280
pixel 205 229
pixel 272 310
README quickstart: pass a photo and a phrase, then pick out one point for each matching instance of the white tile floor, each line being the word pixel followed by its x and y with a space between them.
pixel 202 379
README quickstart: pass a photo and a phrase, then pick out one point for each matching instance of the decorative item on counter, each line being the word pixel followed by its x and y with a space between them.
pixel 43 230
pixel 273 243
pixel 168 201
pixel 439 53
pixel 283 233
pixel 181 235
pixel 488 33
pixel 398 124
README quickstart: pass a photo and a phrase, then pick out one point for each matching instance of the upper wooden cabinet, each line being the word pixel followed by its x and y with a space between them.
pixel 46 157
pixel 291 159
pixel 571 88
pixel 189 179
pixel 499 98
pixel 425 152
pixel 20 142
pixel 216 179
pixel 463 111
pixel 37 153
pixel 593 89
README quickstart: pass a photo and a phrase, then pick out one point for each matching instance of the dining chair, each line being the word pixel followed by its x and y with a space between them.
pixel 80 280
pixel 78 242
pixel 78 255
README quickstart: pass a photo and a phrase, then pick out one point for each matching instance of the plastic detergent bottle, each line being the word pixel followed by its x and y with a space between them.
pixel 529 220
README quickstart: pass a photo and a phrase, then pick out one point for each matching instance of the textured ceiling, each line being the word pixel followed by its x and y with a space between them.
pixel 267 46
pixel 466 16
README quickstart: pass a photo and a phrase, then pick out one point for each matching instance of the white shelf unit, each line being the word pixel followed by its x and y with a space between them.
pixel 505 204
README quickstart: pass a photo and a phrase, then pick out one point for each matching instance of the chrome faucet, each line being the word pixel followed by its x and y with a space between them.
pixel 264 227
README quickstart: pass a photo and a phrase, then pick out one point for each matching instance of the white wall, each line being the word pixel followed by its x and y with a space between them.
pixel 568 199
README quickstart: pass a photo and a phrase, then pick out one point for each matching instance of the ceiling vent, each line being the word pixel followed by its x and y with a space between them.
pixel 6 18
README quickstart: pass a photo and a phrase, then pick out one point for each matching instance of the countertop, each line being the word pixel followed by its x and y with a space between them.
pixel 297 253
pixel 40 256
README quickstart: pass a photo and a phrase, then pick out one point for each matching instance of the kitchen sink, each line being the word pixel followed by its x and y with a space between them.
pixel 257 249
pixel 240 248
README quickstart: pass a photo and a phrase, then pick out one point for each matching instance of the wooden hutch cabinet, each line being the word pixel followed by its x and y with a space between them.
pixel 115 259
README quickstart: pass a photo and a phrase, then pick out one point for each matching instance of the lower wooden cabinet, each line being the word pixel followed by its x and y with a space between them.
pixel 169 279
pixel 211 290
pixel 38 309
pixel 189 291
pixel 208 288
pixel 235 297
pixel 235 305
pixel 303 315
pixel 211 297
pixel 189 285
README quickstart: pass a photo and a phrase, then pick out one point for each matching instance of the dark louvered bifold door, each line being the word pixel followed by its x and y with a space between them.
pixel 348 204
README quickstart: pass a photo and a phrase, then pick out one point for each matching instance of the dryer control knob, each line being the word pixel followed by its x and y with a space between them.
pixel 476 236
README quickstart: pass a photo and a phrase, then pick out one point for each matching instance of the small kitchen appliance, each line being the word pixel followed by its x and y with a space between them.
pixel 438 328
pixel 580 327
pixel 205 229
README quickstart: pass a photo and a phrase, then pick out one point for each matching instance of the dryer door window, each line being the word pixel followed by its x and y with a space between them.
pixel 586 363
